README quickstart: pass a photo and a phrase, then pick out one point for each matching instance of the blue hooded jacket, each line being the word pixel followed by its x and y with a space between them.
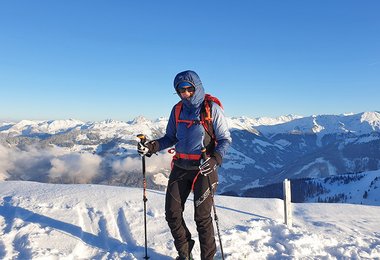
pixel 190 140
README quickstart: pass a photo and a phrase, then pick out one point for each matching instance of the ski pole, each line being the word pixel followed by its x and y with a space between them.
pixel 142 138
pixel 204 157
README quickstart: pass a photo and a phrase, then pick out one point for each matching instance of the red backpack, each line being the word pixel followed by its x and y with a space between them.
pixel 206 119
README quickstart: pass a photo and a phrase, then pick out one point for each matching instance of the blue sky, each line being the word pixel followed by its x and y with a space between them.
pixel 94 60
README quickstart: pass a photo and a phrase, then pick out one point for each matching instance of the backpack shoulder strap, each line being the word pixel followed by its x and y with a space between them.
pixel 177 112
pixel 206 118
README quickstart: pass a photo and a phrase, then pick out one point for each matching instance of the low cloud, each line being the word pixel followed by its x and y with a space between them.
pixel 59 165
pixel 75 168
pixel 153 164
pixel 47 164
pixel 126 165
pixel 158 162
pixel 5 163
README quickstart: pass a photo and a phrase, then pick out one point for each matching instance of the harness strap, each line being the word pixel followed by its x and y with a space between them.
pixel 195 179
pixel 186 156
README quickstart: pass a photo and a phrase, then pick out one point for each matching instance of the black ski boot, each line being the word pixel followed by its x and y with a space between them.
pixel 186 253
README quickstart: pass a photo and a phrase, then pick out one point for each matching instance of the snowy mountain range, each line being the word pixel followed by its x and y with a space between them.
pixel 264 150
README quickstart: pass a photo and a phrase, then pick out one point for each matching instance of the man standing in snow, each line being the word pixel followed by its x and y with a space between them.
pixel 187 130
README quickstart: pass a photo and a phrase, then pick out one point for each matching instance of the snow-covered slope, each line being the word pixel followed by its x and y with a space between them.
pixel 107 129
pixel 246 123
pixel 358 188
pixel 362 123
pixel 363 188
pixel 50 221
pixel 29 128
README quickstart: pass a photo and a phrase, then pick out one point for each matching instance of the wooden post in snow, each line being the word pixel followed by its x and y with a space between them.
pixel 287 203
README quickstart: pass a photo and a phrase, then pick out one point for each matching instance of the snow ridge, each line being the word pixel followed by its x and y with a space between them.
pixel 362 123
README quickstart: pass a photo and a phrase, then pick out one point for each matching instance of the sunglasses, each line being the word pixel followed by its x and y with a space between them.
pixel 183 90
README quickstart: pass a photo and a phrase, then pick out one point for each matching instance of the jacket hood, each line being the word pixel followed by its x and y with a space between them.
pixel 199 95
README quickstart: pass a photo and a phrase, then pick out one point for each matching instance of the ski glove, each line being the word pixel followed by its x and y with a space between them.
pixel 148 148
pixel 208 166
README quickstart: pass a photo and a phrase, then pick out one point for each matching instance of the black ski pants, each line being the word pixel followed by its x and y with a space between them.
pixel 179 188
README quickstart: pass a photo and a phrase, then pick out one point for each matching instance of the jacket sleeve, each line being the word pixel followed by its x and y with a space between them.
pixel 169 139
pixel 222 133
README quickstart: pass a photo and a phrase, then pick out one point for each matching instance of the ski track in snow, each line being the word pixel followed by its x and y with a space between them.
pixel 45 221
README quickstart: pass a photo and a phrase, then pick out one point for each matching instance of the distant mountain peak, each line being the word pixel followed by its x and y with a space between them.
pixel 277 120
pixel 139 120
pixel 109 121
pixel 373 118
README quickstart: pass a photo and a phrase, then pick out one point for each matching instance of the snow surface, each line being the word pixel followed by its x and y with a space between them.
pixel 51 221
pixel 330 169
pixel 366 183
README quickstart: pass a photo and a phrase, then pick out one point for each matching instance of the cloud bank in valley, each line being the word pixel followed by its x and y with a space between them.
pixel 75 168
pixel 48 164
pixel 59 165
pixel 153 164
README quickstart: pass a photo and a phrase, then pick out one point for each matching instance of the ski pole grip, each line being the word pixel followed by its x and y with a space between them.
pixel 204 155
pixel 142 138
